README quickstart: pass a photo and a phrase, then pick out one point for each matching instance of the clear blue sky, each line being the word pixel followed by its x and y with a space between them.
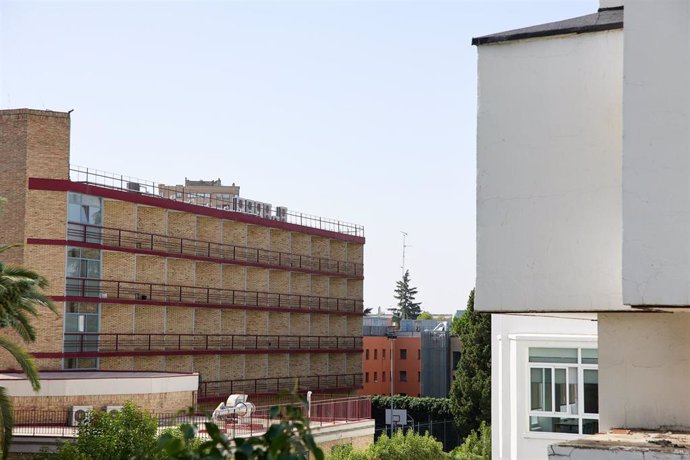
pixel 363 111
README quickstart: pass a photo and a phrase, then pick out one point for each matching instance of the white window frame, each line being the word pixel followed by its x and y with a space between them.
pixel 580 415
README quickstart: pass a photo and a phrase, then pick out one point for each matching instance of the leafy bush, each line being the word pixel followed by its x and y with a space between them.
pixel 477 446
pixel 130 433
pixel 398 447
pixel 288 439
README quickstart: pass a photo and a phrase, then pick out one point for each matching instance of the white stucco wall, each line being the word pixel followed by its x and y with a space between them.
pixel 656 159
pixel 512 335
pixel 644 370
pixel 549 174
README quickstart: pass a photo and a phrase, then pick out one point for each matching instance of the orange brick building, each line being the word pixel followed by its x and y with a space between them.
pixel 150 280
pixel 406 366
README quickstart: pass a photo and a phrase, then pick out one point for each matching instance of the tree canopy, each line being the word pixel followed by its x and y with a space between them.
pixel 470 394
pixel 405 295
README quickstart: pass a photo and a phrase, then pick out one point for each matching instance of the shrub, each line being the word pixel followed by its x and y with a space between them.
pixel 398 447
pixel 477 445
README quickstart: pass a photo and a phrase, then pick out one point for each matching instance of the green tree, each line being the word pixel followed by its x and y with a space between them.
pixel 425 315
pixel 20 298
pixel 470 394
pixel 405 295
pixel 477 445
pixel 128 434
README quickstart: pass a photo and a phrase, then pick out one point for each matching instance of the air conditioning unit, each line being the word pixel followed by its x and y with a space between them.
pixel 78 414
pixel 238 204
pixel 113 409
pixel 281 213
pixel 267 211
pixel 133 186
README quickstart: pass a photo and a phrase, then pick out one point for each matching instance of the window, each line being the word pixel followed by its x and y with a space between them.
pixel 81 318
pixel 84 209
pixel 383 352
pixel 419 354
pixel 366 352
pixel 366 377
pixel 403 353
pixel 403 376
pixel 383 376
pixel 83 263
pixel 376 354
pixel 564 389
pixel 376 377
pixel 419 376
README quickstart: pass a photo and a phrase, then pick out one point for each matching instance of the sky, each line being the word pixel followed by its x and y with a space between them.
pixel 364 111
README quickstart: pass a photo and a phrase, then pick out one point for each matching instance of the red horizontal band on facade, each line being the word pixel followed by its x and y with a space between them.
pixel 58 298
pixel 110 354
pixel 84 244
pixel 61 185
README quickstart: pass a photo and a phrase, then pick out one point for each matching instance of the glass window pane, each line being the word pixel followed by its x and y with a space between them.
pixel 88 307
pixel 537 389
pixel 590 355
pixel 74 213
pixel 91 200
pixel 572 390
pixel 73 252
pixel 553 355
pixel 591 390
pixel 95 217
pixel 73 268
pixel 91 323
pixel 71 322
pixel 590 426
pixel 74 198
pixel 94 269
pixel 548 402
pixel 561 391
pixel 92 254
pixel 84 214
pixel 72 307
pixel 554 424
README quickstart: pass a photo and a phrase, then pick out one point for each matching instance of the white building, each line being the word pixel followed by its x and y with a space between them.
pixel 583 206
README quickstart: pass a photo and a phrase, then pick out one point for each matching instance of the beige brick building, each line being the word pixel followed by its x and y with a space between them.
pixel 146 279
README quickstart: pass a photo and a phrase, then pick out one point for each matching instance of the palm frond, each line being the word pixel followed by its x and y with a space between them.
pixel 25 361
pixel 6 422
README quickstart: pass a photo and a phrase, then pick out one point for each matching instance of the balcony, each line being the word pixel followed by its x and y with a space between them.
pixel 150 188
pixel 119 239
pixel 221 388
pixel 90 345
pixel 115 291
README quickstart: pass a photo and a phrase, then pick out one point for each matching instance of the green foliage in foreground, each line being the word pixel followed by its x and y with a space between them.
pixel 477 445
pixel 124 435
pixel 288 439
pixel 398 447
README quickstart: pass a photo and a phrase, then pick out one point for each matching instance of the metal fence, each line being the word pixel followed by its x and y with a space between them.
pixel 60 423
pixel 150 188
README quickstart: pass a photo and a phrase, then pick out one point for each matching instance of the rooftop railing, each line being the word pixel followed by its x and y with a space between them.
pixel 150 188
pixel 60 423
pixel 178 294
pixel 116 237
pixel 210 389
pixel 99 344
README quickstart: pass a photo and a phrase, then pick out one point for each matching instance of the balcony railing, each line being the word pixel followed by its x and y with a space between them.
pixel 145 187
pixel 99 344
pixel 120 238
pixel 57 423
pixel 177 294
pixel 217 388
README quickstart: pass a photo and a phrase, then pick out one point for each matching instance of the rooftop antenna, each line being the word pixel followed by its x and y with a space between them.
pixel 404 234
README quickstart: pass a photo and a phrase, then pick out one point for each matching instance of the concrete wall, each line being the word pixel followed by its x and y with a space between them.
pixel 650 353
pixel 511 337
pixel 656 166
pixel 549 143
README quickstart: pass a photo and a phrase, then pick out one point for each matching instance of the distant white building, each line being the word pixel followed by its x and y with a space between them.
pixel 583 206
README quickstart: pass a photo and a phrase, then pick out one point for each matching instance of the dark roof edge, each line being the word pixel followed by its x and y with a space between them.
pixel 610 8
pixel 548 33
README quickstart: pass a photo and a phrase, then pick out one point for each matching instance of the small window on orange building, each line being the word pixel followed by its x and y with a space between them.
pixel 419 376
pixel 383 376
pixel 403 376
pixel 383 352
pixel 366 377
pixel 366 353
pixel 403 353
pixel 376 377
pixel 376 353
pixel 419 354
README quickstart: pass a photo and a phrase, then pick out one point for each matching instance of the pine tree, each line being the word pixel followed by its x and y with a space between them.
pixel 470 394
pixel 405 294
